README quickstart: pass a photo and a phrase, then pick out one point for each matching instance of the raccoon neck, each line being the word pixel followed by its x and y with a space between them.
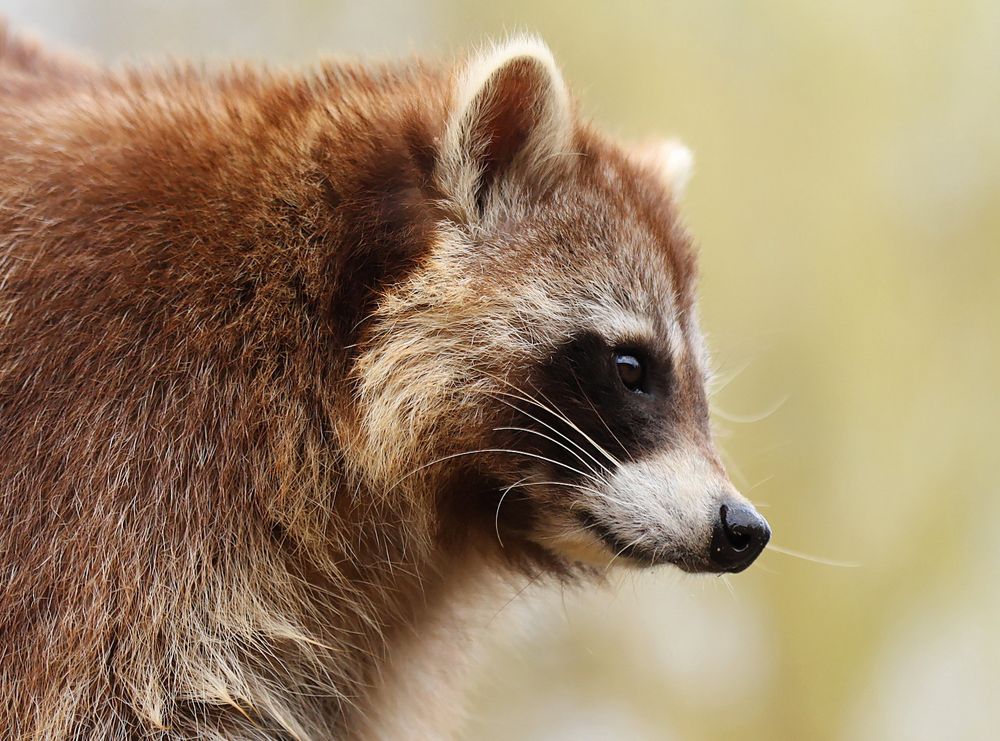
pixel 371 635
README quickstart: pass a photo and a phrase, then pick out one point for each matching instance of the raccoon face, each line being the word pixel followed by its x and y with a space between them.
pixel 548 350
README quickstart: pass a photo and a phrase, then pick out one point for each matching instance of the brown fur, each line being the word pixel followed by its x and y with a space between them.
pixel 210 284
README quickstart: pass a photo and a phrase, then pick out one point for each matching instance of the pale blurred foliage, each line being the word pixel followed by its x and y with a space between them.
pixel 847 203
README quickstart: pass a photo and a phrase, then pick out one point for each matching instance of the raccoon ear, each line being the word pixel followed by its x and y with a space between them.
pixel 670 160
pixel 509 118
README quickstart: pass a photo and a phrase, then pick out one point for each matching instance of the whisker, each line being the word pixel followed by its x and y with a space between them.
pixel 546 425
pixel 717 386
pixel 581 528
pixel 517 594
pixel 760 483
pixel 814 559
pixel 587 437
pixel 624 548
pixel 525 396
pixel 496 450
pixel 601 418
pixel 581 487
pixel 496 517
pixel 732 591
pixel 551 440
pixel 750 419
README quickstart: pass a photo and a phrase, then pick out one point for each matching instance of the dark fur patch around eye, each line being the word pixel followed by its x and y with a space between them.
pixel 580 381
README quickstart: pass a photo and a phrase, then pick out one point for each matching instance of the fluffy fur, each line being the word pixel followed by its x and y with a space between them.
pixel 267 343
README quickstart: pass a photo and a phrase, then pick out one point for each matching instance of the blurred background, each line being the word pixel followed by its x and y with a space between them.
pixel 847 204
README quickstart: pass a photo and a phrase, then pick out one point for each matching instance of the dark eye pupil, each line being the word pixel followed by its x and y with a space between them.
pixel 630 371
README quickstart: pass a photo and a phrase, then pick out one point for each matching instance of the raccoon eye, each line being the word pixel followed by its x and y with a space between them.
pixel 630 371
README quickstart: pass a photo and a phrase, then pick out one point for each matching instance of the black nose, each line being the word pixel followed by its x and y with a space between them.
pixel 740 535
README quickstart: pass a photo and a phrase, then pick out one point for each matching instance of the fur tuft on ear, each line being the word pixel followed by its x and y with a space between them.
pixel 670 160
pixel 510 118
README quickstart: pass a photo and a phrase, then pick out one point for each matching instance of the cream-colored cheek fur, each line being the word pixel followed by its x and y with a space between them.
pixel 444 347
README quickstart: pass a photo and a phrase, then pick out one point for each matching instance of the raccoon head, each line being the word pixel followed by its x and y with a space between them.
pixel 542 371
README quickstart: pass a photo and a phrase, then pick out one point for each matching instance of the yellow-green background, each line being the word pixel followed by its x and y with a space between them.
pixel 847 203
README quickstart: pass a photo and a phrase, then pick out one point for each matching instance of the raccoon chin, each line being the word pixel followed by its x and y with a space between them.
pixel 634 552
pixel 590 544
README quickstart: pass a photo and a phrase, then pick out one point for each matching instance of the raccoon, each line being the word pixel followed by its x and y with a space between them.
pixel 297 368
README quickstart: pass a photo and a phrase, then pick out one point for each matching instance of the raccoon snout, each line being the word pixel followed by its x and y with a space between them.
pixel 738 537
